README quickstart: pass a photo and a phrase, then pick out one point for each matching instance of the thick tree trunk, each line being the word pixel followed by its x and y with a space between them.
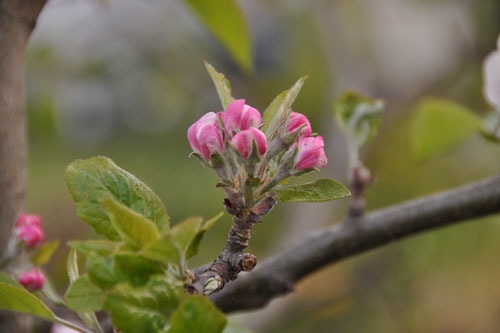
pixel 17 20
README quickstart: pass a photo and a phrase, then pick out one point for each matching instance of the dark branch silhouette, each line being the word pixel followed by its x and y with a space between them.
pixel 277 275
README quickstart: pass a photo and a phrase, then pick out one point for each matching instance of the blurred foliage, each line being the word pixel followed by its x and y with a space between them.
pixel 130 91
pixel 439 125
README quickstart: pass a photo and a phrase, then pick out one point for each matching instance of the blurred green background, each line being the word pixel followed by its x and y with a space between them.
pixel 125 79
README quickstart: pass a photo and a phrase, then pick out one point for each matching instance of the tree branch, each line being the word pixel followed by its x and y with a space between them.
pixel 17 20
pixel 277 275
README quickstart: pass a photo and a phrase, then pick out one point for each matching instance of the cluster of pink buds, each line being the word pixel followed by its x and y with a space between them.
pixel 249 161
pixel 29 230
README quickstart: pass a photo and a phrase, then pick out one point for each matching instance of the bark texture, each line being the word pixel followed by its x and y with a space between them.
pixel 17 21
pixel 276 276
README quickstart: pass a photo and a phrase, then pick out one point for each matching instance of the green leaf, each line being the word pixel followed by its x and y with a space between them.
pixel 195 243
pixel 197 314
pixel 84 296
pixel 226 21
pixel 320 190
pixel 72 265
pixel 221 84
pixel 44 253
pixel 132 227
pixel 90 319
pixel 135 269
pixel 91 180
pixel 102 273
pixel 439 124
pixel 163 250
pixel 100 247
pixel 359 116
pixel 183 234
pixel 4 278
pixel 278 112
pixel 15 298
pixel 145 309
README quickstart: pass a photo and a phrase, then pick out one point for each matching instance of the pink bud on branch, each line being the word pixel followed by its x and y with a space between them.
pixel 29 230
pixel 205 137
pixel 32 280
pixel 243 142
pixel 296 121
pixel 310 154
pixel 240 116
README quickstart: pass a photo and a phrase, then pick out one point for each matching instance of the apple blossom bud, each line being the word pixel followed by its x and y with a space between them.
pixel 243 142
pixel 32 280
pixel 28 219
pixel 205 137
pixel 29 230
pixel 296 121
pixel 240 116
pixel 491 72
pixel 310 154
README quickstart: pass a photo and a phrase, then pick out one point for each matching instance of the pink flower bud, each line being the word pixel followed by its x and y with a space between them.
pixel 491 73
pixel 243 141
pixel 240 116
pixel 27 219
pixel 205 137
pixel 29 230
pixel 310 154
pixel 32 280
pixel 296 121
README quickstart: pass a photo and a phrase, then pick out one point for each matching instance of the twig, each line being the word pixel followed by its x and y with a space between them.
pixel 277 275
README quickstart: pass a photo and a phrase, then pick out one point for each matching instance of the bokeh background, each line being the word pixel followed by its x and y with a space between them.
pixel 125 79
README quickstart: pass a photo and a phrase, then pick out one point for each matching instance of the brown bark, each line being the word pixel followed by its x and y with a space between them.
pixel 17 20
pixel 277 275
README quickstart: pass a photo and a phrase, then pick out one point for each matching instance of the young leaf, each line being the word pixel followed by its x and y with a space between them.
pixel 90 319
pixel 359 116
pixel 278 112
pixel 16 298
pixel 72 266
pixel 440 124
pixel 227 23
pixel 100 247
pixel 317 191
pixel 144 309
pixel 197 314
pixel 135 269
pixel 84 296
pixel 183 234
pixel 96 178
pixel 221 84
pixel 195 243
pixel 44 253
pixel 132 227
pixel 163 250
pixel 102 273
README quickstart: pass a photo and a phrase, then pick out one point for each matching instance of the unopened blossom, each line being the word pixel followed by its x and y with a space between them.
pixel 240 116
pixel 28 219
pixel 491 72
pixel 296 121
pixel 310 154
pixel 243 142
pixel 32 280
pixel 29 230
pixel 205 137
